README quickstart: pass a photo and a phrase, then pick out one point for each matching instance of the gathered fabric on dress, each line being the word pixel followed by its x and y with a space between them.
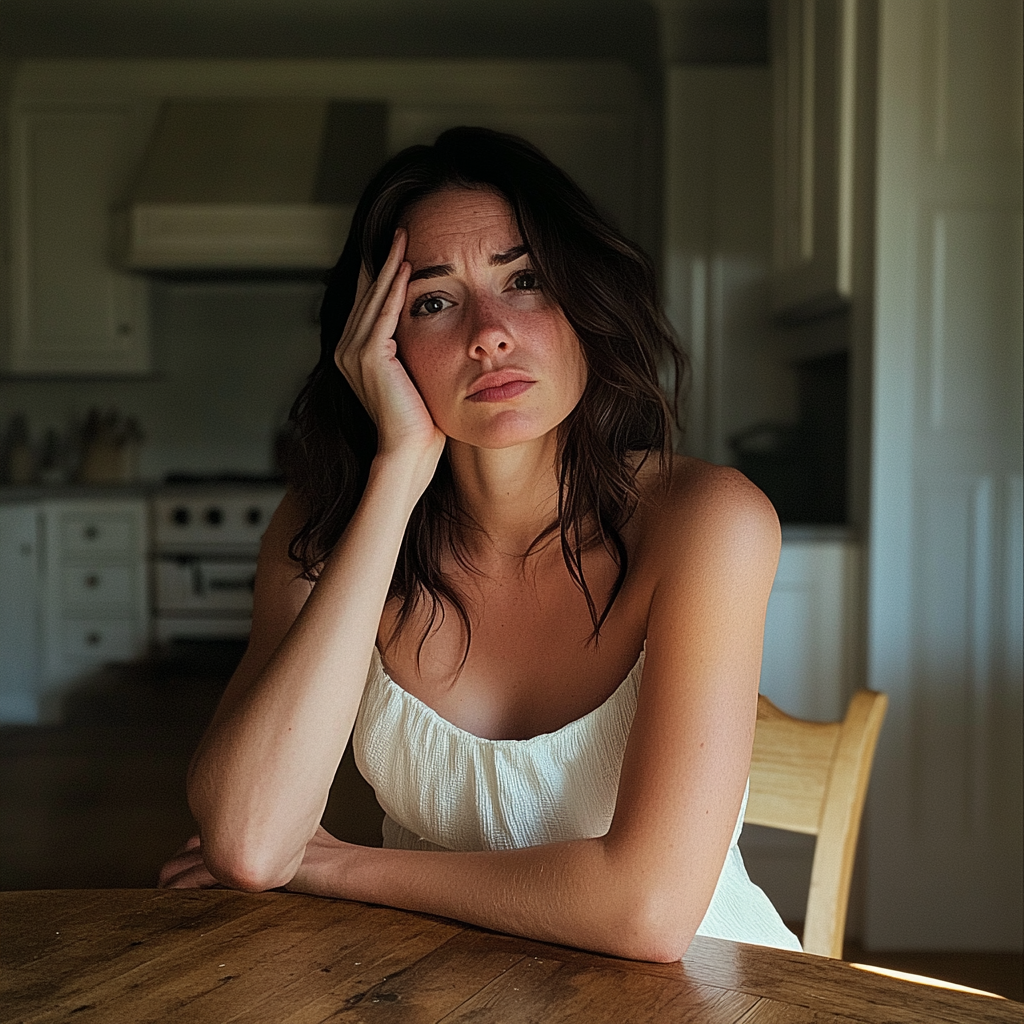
pixel 443 788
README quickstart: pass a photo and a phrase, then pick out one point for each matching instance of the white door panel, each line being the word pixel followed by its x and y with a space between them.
pixel 944 827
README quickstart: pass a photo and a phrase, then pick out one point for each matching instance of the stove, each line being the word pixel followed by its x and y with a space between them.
pixel 206 536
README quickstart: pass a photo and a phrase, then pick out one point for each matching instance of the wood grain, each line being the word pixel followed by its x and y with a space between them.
pixel 216 956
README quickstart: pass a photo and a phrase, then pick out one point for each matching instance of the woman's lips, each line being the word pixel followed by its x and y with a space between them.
pixel 501 392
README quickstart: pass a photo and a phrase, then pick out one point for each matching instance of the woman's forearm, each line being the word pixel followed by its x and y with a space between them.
pixel 586 893
pixel 259 781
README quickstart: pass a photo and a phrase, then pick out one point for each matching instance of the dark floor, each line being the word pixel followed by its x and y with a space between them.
pixel 99 801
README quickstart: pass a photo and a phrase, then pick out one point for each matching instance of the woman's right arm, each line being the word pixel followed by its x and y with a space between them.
pixel 259 781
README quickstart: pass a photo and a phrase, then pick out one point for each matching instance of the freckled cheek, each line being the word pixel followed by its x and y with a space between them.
pixel 410 349
pixel 426 368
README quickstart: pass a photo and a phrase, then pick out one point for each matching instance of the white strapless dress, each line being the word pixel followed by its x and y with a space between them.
pixel 443 788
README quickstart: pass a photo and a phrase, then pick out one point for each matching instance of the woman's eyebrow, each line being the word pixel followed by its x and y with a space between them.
pixel 499 259
pixel 440 270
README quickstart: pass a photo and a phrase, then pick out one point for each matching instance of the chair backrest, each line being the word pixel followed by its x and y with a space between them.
pixel 812 777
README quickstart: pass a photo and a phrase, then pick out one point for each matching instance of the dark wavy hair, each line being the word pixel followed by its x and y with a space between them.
pixel 606 288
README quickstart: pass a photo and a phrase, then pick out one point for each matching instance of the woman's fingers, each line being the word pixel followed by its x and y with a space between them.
pixel 363 285
pixel 355 316
pixel 176 865
pixel 391 309
pixel 194 876
pixel 186 869
pixel 370 299
pixel 366 355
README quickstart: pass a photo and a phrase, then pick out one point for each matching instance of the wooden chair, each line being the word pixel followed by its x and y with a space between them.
pixel 812 777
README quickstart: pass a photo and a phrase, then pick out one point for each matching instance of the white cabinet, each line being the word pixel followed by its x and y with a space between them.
pixel 96 600
pixel 811 663
pixel 72 312
pixel 19 613
pixel 814 91
pixel 73 597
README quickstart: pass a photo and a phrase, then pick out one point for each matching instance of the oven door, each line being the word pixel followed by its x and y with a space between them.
pixel 203 596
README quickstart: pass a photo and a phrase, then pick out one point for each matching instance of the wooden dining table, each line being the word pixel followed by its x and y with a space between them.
pixel 211 956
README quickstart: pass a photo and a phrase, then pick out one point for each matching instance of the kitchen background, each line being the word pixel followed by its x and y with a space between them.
pixel 777 227
pixel 228 358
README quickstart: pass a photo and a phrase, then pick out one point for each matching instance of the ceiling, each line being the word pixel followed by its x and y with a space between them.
pixel 627 30
pixel 321 28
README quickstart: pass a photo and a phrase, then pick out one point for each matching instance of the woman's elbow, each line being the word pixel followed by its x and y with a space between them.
pixel 661 950
pixel 656 929
pixel 238 854
pixel 657 945
pixel 247 867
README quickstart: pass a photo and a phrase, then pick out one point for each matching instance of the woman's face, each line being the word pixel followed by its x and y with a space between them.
pixel 492 355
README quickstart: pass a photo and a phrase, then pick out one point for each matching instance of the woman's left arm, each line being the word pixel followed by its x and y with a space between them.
pixel 641 890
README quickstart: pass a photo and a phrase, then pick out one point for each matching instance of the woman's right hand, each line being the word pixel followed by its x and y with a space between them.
pixel 187 869
pixel 367 356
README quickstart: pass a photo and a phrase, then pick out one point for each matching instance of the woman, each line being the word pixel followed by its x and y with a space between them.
pixel 545 629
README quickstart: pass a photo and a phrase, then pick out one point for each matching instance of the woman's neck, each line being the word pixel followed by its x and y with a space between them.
pixel 510 494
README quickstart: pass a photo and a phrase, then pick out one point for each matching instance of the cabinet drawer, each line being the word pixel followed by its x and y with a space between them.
pixel 87 533
pixel 99 587
pixel 85 642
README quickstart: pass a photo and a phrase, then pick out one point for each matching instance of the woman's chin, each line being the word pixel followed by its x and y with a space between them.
pixel 509 430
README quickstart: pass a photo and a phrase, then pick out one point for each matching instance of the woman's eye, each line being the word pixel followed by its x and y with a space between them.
pixel 526 281
pixel 427 305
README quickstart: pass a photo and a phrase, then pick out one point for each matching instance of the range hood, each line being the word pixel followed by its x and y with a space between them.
pixel 243 186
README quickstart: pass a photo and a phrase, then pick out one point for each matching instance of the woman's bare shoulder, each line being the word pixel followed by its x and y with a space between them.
pixel 699 506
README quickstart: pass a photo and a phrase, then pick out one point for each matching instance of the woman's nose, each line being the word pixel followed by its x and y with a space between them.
pixel 489 332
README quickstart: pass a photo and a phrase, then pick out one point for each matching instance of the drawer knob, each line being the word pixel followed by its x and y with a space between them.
pixel 92 581
pixel 90 533
pixel 92 639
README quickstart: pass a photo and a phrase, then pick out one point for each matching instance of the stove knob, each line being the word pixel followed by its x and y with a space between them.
pixel 214 516
pixel 253 515
pixel 180 516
